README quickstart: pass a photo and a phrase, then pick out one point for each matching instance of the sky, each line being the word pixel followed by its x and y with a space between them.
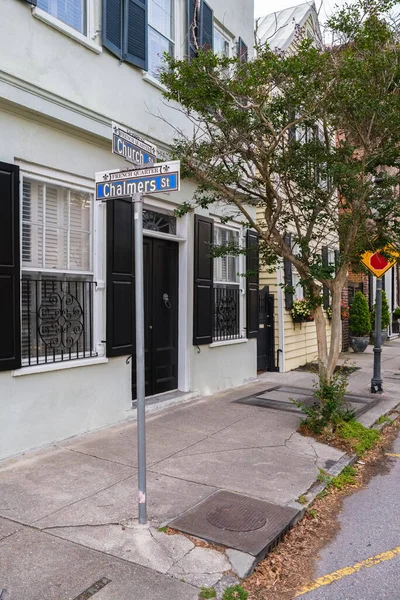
pixel 265 7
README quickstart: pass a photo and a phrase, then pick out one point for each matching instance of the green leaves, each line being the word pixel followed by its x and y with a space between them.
pixel 359 321
pixel 300 135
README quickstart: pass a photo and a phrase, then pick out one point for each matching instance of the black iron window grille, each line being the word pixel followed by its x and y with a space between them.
pixel 226 313
pixel 57 320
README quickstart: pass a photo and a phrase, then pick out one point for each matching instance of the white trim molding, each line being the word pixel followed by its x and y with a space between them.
pixel 59 366
pixel 72 33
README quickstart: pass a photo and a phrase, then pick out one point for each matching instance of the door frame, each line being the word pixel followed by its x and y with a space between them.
pixel 184 290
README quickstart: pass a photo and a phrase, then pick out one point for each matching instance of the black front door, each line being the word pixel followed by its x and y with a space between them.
pixel 266 332
pixel 160 259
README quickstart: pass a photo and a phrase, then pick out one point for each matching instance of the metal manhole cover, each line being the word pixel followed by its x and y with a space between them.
pixel 237 521
pixel 236 516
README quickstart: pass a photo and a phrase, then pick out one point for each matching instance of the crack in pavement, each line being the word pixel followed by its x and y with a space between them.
pixel 80 500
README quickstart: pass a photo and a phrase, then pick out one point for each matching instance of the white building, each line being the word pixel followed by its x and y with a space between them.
pixel 67 70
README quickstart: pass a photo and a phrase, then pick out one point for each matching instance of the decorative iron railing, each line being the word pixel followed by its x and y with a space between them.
pixel 57 320
pixel 226 313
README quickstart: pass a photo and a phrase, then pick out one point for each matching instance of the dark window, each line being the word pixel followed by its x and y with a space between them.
pixel 242 51
pixel 227 291
pixel 57 319
pixel 155 221
pixel 199 27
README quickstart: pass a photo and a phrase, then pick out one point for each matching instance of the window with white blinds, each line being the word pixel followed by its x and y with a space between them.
pixel 56 227
pixel 226 268
pixel 161 34
pixel 57 281
pixel 70 12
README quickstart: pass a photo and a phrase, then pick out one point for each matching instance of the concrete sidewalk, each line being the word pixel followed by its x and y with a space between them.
pixel 67 513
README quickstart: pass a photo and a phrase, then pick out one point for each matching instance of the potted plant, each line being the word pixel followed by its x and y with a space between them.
pixel 396 313
pixel 385 320
pixel 301 311
pixel 359 323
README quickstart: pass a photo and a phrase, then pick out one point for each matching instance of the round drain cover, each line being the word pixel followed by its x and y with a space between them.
pixel 239 515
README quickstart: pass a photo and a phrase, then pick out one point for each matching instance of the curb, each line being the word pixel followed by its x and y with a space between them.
pixel 347 460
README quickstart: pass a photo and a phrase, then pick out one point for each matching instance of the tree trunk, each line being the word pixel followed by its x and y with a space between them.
pixel 336 330
pixel 322 342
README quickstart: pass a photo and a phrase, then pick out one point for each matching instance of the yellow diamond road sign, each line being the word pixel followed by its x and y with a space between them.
pixel 379 263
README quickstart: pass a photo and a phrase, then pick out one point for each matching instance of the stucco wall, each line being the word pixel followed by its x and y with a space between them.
pixel 37 54
pixel 220 367
pixel 46 407
pixel 42 408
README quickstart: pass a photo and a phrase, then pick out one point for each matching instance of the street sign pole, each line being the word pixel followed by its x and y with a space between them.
pixel 140 366
pixel 377 381
pixel 148 177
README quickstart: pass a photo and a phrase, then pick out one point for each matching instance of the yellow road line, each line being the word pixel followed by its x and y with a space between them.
pixel 390 454
pixel 364 564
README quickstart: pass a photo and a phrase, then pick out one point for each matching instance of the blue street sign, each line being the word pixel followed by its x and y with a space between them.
pixel 157 178
pixel 132 148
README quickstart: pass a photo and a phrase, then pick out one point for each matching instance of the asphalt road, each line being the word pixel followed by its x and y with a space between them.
pixel 363 561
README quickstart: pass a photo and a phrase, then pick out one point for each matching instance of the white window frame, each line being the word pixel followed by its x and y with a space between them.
pixel 90 232
pixel 87 39
pixel 218 226
pixel 298 288
pixel 226 37
pixel 53 178
pixel 171 40
pixel 240 283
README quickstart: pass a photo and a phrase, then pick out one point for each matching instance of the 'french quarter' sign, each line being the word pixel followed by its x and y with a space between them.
pixel 156 178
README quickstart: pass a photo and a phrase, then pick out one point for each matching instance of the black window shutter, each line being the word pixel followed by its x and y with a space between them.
pixel 252 267
pixel 287 273
pixel 135 33
pixel 325 289
pixel 112 25
pixel 203 305
pixel 193 26
pixel 207 27
pixel 120 277
pixel 243 51
pixel 10 337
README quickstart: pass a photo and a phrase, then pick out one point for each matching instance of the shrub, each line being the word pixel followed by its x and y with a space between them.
pixel 359 322
pixel 385 313
pixel 396 312
pixel 331 408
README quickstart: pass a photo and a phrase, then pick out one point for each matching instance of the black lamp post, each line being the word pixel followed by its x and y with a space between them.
pixel 377 381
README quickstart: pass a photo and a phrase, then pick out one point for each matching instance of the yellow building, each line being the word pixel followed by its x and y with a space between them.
pixel 295 344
